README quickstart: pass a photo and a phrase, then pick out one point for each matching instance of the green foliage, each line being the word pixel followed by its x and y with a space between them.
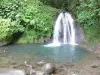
pixel 8 27
pixel 34 18
pixel 10 9
pixel 38 21
pixel 88 13
pixel 9 20
pixel 68 5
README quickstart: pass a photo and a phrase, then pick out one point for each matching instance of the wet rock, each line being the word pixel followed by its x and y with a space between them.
pixel 94 66
pixel 48 69
pixel 32 72
pixel 41 63
pixel 73 73
pixel 29 67
pixel 97 50
pixel 11 72
pixel 98 57
pixel 59 68
pixel 39 73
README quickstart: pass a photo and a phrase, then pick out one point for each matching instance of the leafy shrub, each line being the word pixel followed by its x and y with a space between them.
pixel 88 13
pixel 10 9
pixel 35 19
pixel 38 20
pixel 8 27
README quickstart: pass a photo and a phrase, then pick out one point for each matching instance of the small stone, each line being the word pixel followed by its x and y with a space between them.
pixel 94 66
pixel 41 63
pixel 29 67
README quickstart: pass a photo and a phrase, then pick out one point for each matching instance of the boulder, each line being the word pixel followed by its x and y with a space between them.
pixel 48 69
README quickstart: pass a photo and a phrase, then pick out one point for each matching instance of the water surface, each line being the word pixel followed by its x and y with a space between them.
pixel 35 52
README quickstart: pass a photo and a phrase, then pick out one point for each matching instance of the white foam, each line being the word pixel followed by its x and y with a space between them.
pixel 53 45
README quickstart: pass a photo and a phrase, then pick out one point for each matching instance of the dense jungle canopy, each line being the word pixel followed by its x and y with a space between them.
pixel 32 21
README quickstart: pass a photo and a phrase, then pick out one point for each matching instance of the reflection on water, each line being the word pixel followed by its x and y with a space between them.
pixel 30 52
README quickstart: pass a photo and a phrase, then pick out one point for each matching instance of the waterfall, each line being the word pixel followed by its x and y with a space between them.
pixel 64 30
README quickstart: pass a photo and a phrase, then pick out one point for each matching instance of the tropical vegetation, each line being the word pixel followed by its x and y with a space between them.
pixel 33 20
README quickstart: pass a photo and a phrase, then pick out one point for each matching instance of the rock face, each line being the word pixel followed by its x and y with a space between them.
pixel 11 72
pixel 79 34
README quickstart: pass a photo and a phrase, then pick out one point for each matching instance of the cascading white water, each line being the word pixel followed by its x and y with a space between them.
pixel 66 21
pixel 64 31
pixel 70 29
pixel 57 29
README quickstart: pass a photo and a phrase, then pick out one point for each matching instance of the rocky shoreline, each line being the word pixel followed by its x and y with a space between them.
pixel 95 48
pixel 89 67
